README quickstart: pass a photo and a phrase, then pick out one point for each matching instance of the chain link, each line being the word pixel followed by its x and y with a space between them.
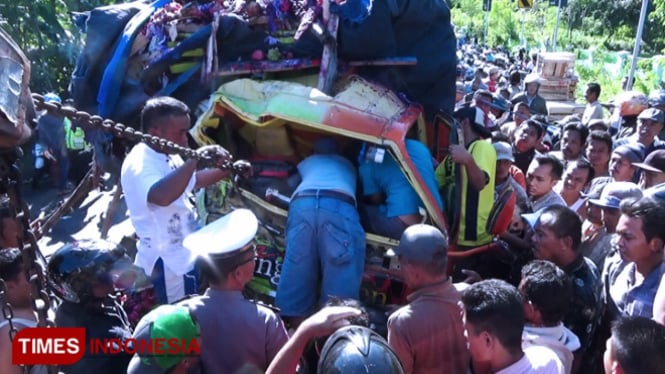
pixel 206 159
pixel 7 311
pixel 27 243
pixel 10 183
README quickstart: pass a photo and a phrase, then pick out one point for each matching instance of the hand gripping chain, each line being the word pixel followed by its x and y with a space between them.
pixel 10 182
pixel 207 159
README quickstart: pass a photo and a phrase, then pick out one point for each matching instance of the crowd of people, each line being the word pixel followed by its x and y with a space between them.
pixel 62 154
pixel 576 286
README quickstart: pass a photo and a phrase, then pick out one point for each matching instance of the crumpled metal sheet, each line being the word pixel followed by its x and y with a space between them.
pixel 15 100
pixel 11 75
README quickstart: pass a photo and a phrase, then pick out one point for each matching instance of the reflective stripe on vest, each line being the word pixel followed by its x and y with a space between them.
pixel 74 139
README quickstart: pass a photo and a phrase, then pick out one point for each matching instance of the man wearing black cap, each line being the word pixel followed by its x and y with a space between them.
pixel 609 202
pixel 596 240
pixel 649 124
pixel 623 165
pixel 467 180
pixel 236 335
pixel 472 168
pixel 428 333
pixel 653 169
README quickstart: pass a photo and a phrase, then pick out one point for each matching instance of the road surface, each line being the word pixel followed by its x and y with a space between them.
pixel 84 222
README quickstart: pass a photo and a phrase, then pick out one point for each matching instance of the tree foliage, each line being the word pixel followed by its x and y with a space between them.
pixel 44 30
pixel 610 25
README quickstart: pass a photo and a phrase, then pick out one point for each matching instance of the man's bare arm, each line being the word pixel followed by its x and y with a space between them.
pixel 168 189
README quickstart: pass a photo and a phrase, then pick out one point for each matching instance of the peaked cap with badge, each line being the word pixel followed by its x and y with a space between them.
pixel 228 238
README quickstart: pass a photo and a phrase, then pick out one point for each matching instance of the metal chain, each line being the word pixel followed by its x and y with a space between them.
pixel 8 315
pixel 129 133
pixel 7 311
pixel 10 175
pixel 10 183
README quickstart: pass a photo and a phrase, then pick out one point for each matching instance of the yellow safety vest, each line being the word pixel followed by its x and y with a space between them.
pixel 74 139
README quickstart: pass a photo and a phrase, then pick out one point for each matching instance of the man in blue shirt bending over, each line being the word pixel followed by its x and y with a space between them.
pixel 392 202
pixel 325 243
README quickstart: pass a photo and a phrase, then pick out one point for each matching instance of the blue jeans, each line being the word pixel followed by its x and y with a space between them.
pixel 325 244
pixel 379 224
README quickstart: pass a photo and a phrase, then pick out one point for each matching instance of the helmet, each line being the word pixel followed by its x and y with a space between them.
pixel 356 349
pixel 630 103
pixel 76 268
pixel 500 103
pixel 52 98
pixel 532 78
pixel 657 98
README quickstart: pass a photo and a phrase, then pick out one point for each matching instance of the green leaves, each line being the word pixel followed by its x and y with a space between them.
pixel 44 30
pixel 584 23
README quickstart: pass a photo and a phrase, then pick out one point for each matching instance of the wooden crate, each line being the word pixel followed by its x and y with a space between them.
pixel 555 64
pixel 558 89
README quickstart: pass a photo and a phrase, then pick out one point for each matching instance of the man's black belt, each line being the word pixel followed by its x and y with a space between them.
pixel 326 193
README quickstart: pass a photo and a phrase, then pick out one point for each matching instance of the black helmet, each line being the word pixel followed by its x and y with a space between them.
pixel 75 269
pixel 357 349
pixel 657 98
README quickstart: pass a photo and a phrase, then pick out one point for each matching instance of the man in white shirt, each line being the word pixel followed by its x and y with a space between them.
pixel 494 319
pixel 157 187
pixel 546 291
pixel 593 108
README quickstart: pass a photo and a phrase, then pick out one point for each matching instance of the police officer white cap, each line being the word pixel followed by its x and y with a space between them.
pixel 226 237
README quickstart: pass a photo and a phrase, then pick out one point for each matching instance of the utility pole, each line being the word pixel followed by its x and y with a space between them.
pixel 522 37
pixel 487 21
pixel 638 41
pixel 556 26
